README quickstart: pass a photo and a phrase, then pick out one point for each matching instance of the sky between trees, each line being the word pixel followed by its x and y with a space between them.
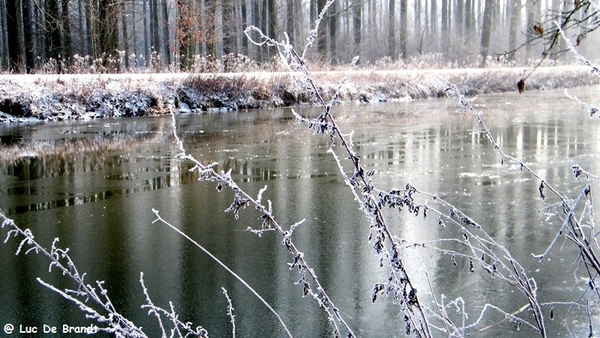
pixel 125 35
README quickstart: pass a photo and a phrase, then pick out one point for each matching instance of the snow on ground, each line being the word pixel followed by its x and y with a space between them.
pixel 87 96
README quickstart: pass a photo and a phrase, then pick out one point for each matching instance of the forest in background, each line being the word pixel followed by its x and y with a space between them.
pixel 59 36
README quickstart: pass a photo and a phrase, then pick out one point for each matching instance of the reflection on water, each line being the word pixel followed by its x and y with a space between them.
pixel 93 185
pixel 41 169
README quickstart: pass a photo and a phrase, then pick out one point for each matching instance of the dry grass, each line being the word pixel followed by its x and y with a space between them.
pixel 68 97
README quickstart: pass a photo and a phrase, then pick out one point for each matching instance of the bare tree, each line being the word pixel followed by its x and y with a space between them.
pixel 65 21
pixel 15 48
pixel 332 26
pixel 357 24
pixel 459 17
pixel 403 28
pixel 125 33
pixel 486 31
pixel 445 33
pixel 530 17
pixel 3 36
pixel 165 26
pixel 154 31
pixel 28 36
pixel 392 29
pixel 515 21
pixel 434 19
pixel 108 33
pixel 53 44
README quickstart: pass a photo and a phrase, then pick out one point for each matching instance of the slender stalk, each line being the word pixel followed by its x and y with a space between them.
pixel 214 258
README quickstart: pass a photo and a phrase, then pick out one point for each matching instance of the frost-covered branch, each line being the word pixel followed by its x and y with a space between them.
pixel 573 228
pixel 594 70
pixel 100 309
pixel 179 328
pixel 230 311
pixel 590 107
pixel 373 201
pixel 240 279
pixel 399 283
pixel 93 301
pixel 241 200
pixel 568 206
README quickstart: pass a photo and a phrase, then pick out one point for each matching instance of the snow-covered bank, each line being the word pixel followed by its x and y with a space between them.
pixel 62 97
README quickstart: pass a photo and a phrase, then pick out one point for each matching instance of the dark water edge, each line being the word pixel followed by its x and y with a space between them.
pixel 35 98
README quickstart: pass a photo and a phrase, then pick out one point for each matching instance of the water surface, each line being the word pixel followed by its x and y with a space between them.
pixel 93 184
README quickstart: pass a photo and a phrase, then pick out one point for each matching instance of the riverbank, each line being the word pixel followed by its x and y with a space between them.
pixel 65 97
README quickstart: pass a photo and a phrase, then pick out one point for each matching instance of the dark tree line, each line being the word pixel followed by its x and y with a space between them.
pixel 174 34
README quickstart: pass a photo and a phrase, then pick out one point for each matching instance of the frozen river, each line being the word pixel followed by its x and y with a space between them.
pixel 94 185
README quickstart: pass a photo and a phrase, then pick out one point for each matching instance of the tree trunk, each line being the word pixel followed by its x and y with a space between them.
pixel 134 33
pixel 403 28
pixel 264 26
pixel 154 29
pixel 67 44
pixel 417 12
pixel 290 20
pixel 228 29
pixel 183 35
pixel 515 22
pixel 91 30
pixel 216 47
pixel 244 18
pixel 486 31
pixel 256 22
pixel 357 24
pixel 392 31
pixel 28 36
pixel 426 21
pixel 273 24
pixel 15 49
pixel 322 32
pixel 530 10
pixel 146 33
pixel 459 19
pixel 333 23
pixel 125 35
pixel 81 39
pixel 53 48
pixel 166 50
pixel 445 33
pixel 434 20
pixel 3 38
pixel 470 26
pixel 108 34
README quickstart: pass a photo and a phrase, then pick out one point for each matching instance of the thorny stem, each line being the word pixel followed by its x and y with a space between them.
pixel 372 210
pixel 240 279
pixel 593 69
pixel 591 108
pixel 208 173
pixel 525 286
pixel 486 247
pixel 576 235
pixel 117 323
pixel 230 312
pixel 553 40
pixel 178 325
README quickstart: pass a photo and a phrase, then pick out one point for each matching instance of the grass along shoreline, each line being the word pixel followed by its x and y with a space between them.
pixel 25 98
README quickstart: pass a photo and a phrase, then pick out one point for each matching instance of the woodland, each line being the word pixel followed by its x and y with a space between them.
pixel 112 36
